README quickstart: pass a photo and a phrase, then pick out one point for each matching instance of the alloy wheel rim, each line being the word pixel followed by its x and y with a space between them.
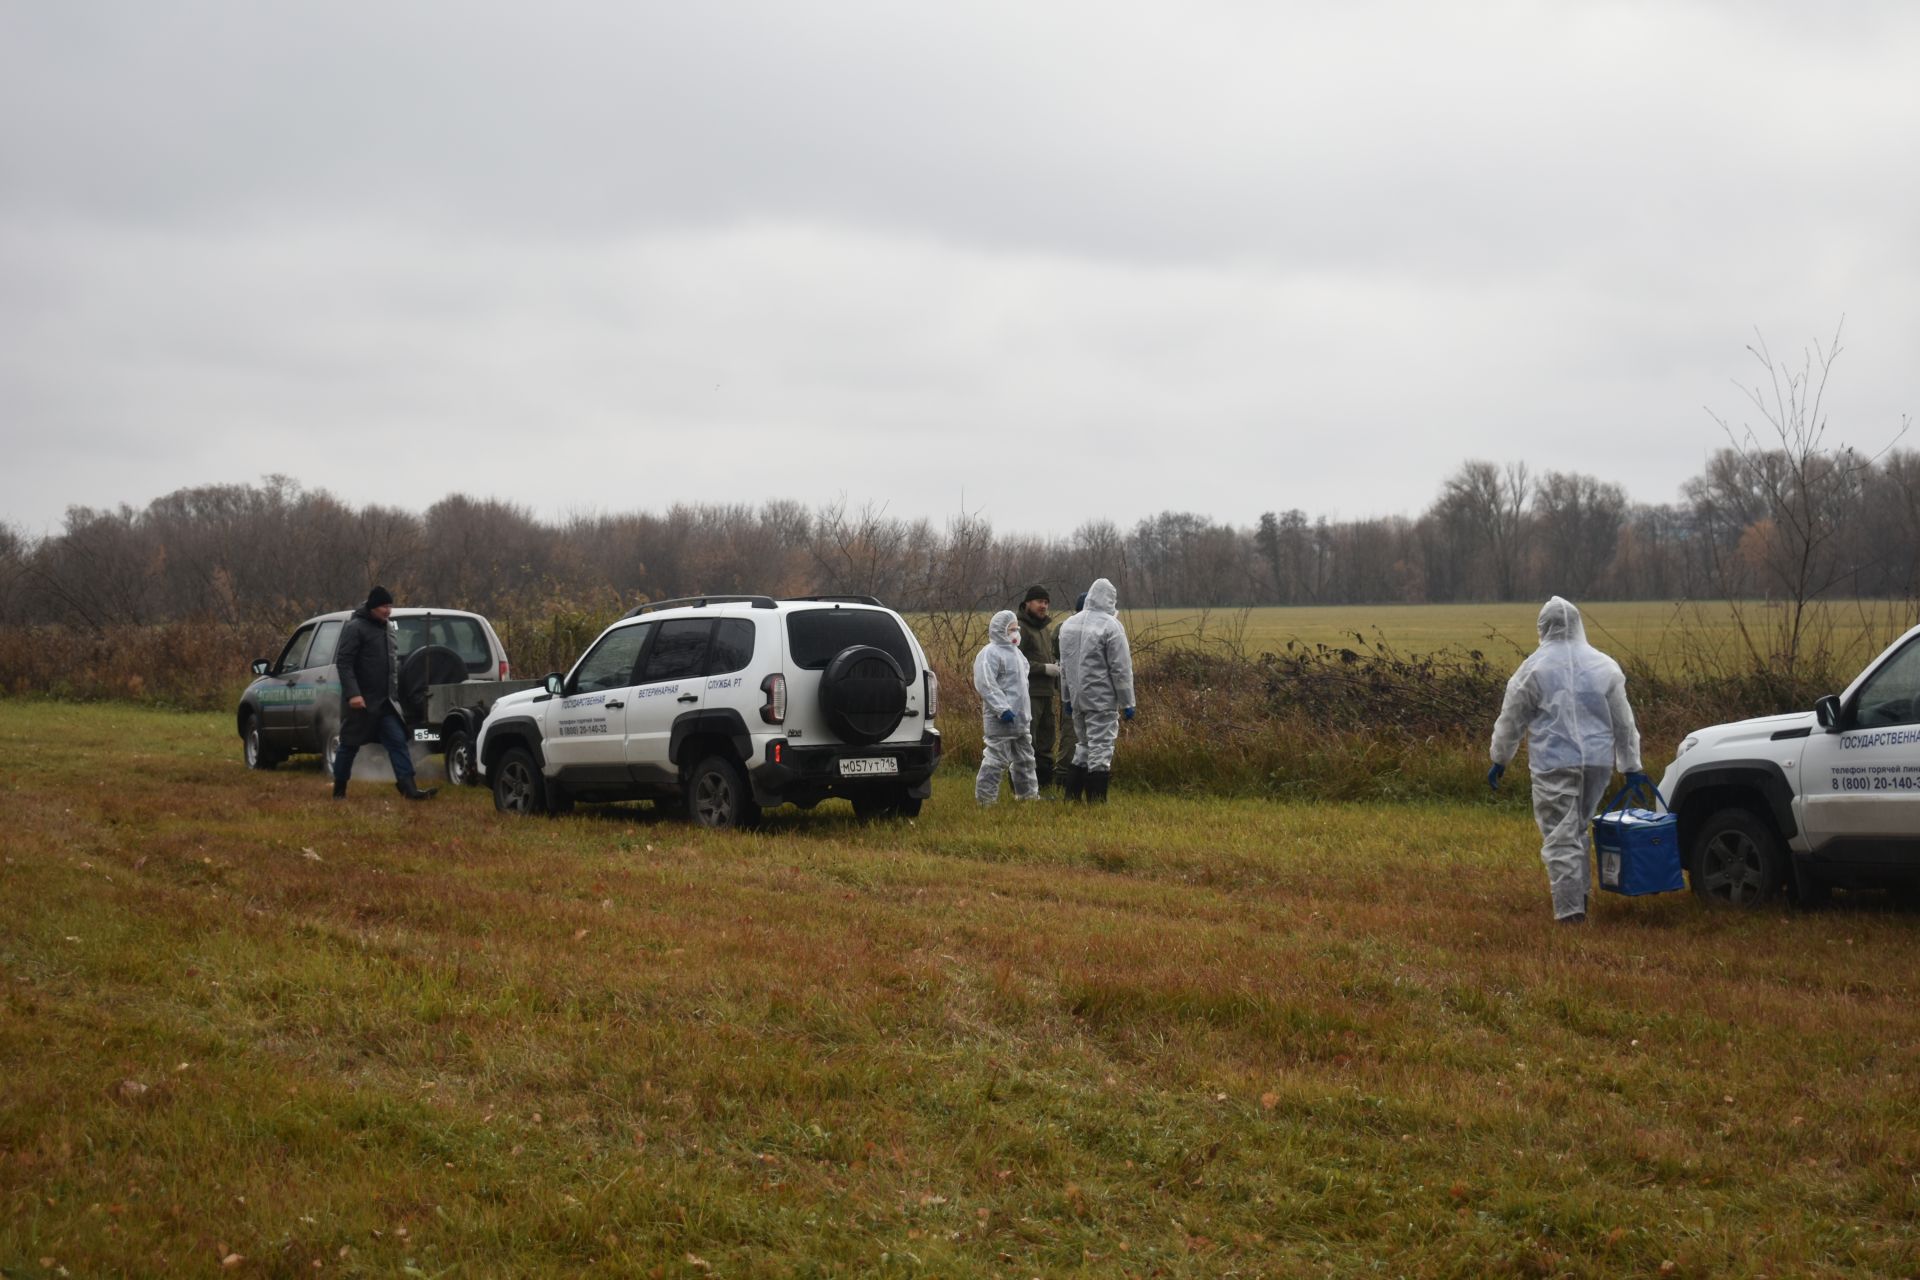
pixel 517 787
pixel 253 746
pixel 1733 868
pixel 714 801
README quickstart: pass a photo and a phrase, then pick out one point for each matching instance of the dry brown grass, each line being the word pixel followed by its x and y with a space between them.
pixel 1173 1037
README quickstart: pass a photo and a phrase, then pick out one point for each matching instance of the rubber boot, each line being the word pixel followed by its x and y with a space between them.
pixel 1045 773
pixel 411 792
pixel 1097 781
pixel 339 788
pixel 1073 781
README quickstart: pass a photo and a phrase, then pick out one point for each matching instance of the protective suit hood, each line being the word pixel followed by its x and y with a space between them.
pixel 1004 629
pixel 1102 597
pixel 1560 620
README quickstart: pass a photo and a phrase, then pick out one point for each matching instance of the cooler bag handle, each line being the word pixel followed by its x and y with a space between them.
pixel 1630 789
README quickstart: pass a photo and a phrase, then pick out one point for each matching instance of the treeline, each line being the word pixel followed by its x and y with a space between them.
pixel 1754 524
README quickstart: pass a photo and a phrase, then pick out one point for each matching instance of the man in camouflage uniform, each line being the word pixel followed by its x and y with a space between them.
pixel 1042 649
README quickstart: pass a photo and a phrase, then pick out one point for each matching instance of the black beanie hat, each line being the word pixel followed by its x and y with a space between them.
pixel 1036 592
pixel 379 596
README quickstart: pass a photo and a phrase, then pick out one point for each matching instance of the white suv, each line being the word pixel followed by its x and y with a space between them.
pixel 1809 801
pixel 727 705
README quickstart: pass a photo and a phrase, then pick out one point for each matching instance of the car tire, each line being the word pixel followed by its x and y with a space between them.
pixel 1736 861
pixel 863 694
pixel 718 797
pixel 254 750
pixel 425 667
pixel 329 748
pixel 459 760
pixel 518 786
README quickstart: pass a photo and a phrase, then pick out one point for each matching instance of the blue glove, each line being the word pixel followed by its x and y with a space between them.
pixel 1006 717
pixel 1127 714
pixel 1067 707
pixel 1493 777
pixel 1640 782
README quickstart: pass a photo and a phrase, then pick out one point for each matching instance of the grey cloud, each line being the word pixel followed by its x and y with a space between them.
pixel 1271 255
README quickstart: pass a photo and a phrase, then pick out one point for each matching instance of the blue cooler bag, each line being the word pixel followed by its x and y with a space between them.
pixel 1639 848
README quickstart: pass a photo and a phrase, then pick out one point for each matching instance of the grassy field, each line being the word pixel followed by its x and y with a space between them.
pixel 245 1030
pixel 1662 633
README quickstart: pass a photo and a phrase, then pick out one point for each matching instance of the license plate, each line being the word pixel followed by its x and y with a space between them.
pixel 862 766
pixel 425 735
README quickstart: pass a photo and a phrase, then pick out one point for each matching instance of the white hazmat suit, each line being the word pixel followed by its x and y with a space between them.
pixel 1096 678
pixel 1570 700
pixel 1006 713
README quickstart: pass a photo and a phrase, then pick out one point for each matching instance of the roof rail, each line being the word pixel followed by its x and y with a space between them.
pixel 700 602
pixel 872 600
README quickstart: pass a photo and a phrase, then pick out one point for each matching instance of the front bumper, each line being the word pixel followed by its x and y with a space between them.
pixel 786 773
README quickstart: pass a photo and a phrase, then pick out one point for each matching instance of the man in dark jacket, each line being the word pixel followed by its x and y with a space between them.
pixel 1042 650
pixel 369 665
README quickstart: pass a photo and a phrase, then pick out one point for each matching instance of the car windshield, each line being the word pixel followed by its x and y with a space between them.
pixel 462 634
pixel 815 635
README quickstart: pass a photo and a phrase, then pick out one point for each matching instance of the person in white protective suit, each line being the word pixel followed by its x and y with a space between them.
pixel 1006 713
pixel 1096 688
pixel 1570 700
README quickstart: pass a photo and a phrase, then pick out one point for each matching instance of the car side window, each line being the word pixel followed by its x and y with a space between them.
pixel 609 664
pixel 325 641
pixel 732 646
pixel 294 656
pixel 679 652
pixel 1892 694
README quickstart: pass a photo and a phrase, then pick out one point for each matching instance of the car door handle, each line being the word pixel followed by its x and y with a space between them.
pixel 614 706
pixel 688 697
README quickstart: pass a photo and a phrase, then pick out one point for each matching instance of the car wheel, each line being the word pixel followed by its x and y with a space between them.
pixel 460 772
pixel 517 784
pixel 717 795
pixel 1737 861
pixel 255 751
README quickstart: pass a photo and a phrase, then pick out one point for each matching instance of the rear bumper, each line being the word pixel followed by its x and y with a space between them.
pixel 806 774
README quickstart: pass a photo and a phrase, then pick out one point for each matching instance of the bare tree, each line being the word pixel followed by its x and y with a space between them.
pixel 1793 492
pixel 1484 508
pixel 1578 520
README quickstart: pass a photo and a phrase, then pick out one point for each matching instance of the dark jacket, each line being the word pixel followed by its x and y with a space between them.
pixel 368 662
pixel 1042 646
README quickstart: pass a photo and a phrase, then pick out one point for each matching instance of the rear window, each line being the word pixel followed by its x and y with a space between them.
pixel 460 634
pixel 815 635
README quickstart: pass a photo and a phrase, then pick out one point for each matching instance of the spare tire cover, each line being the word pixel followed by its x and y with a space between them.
pixel 863 694
pixel 433 664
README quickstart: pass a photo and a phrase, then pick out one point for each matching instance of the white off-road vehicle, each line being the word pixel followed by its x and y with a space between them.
pixel 727 705
pixel 1808 802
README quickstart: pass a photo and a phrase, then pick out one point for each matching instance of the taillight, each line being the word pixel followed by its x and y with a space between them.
pixel 775 710
pixel 506 669
pixel 933 694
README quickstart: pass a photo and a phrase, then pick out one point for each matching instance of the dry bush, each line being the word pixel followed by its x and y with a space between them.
pixel 197 666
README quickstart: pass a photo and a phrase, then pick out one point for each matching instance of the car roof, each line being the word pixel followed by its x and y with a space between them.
pixel 750 606
pixel 411 611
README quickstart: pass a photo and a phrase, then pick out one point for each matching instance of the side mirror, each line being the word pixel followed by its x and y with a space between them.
pixel 262 666
pixel 1827 712
pixel 555 682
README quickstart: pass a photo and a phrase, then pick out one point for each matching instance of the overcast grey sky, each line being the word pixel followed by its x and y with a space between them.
pixel 1048 262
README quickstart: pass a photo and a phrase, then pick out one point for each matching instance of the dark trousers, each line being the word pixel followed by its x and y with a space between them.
pixel 362 727
pixel 1046 730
